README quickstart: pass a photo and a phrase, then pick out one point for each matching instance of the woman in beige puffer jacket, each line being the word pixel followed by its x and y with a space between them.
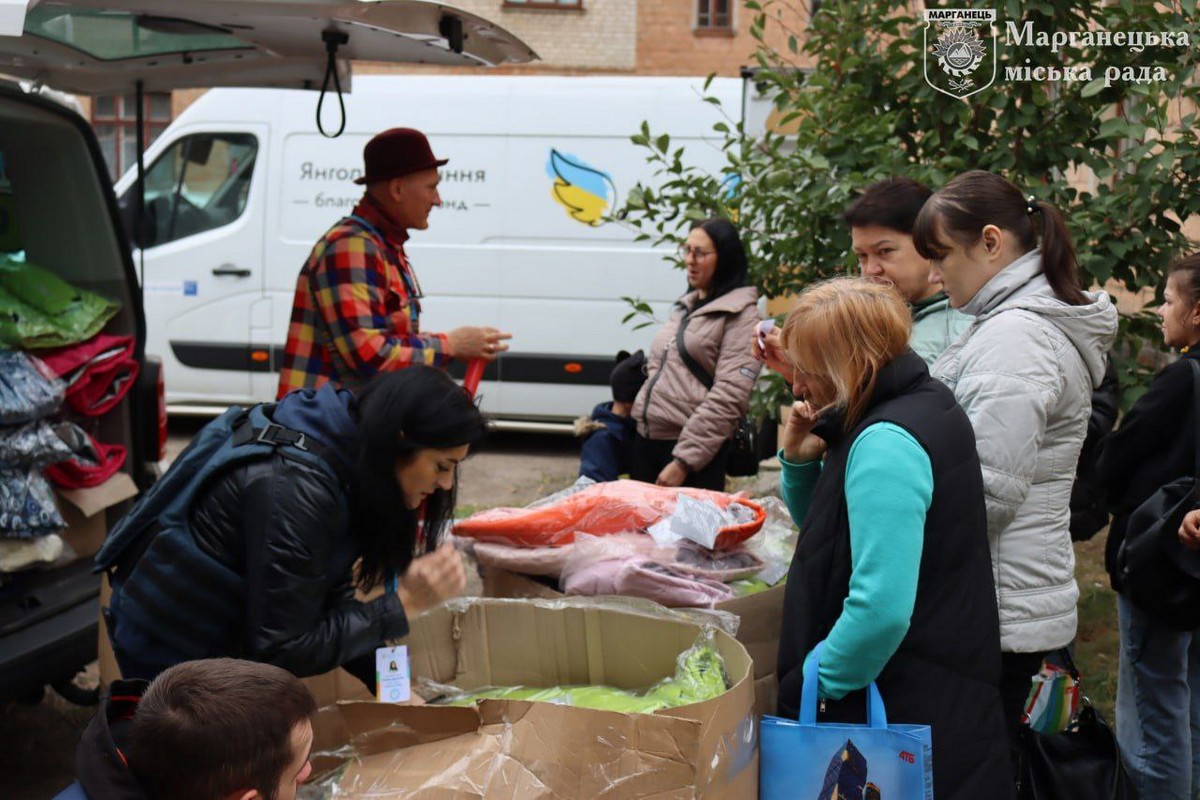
pixel 686 414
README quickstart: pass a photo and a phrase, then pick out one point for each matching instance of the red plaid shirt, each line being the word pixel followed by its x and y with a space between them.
pixel 357 311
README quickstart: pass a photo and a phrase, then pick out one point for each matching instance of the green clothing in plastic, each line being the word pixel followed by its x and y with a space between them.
pixel 935 326
pixel 699 675
pixel 38 309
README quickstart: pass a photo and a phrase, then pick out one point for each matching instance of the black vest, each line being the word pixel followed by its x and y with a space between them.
pixel 946 672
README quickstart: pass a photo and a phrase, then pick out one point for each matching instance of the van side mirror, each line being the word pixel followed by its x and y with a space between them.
pixel 142 233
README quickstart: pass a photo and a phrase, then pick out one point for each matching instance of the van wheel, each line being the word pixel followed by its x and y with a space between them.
pixel 74 693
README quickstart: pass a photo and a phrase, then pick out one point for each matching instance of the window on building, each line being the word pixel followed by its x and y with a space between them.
pixel 543 3
pixel 714 15
pixel 114 119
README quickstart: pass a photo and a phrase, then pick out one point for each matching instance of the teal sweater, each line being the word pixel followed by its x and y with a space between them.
pixel 888 487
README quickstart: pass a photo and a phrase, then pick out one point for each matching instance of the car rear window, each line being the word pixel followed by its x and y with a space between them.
pixel 117 35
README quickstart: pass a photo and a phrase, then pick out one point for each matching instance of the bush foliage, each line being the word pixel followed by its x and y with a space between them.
pixel 864 110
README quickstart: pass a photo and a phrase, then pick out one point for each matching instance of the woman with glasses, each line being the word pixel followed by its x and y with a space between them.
pixel 699 370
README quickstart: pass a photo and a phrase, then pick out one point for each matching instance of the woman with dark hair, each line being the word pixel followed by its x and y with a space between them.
pixel 699 370
pixel 1158 680
pixel 258 560
pixel 1024 372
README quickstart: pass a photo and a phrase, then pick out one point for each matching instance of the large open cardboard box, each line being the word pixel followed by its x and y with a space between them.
pixel 761 618
pixel 510 750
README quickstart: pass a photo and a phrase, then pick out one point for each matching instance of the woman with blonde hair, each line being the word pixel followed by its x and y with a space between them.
pixel 891 574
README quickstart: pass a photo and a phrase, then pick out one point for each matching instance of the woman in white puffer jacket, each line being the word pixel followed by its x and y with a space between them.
pixel 1024 372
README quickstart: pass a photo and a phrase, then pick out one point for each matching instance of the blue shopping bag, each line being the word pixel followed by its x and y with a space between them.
pixel 806 760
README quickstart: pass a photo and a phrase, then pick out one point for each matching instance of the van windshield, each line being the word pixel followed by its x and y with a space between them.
pixel 117 35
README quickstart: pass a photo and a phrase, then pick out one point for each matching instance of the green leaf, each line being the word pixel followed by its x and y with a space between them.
pixel 1112 128
pixel 1093 88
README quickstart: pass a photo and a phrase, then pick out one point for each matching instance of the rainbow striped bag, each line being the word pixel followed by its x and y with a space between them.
pixel 1053 699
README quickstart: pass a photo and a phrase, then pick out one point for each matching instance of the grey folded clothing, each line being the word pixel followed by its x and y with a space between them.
pixel 721 565
pixel 36 444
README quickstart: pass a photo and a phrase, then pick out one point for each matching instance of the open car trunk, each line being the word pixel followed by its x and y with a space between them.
pixel 107 46
pixel 57 208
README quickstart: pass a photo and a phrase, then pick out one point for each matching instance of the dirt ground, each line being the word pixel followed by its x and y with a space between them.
pixel 37 742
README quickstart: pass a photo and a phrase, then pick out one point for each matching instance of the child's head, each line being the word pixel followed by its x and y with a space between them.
pixel 627 376
pixel 1180 310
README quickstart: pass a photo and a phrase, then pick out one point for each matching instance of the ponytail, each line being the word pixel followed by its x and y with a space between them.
pixel 1058 255
pixel 975 199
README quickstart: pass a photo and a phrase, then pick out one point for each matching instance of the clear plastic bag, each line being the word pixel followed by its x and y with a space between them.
pixel 601 509
pixel 699 675
pixel 775 543
pixel 29 391
pixel 33 444
pixel 27 506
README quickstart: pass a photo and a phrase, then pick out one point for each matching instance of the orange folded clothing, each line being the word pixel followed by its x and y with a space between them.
pixel 602 509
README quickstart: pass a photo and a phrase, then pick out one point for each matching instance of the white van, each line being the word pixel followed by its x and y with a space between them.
pixel 241 186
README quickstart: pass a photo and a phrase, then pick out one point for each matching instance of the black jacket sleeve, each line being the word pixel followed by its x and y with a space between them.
pixel 1154 444
pixel 299 614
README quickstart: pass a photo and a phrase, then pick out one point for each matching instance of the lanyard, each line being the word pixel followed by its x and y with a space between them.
pixel 413 290
pixel 391 581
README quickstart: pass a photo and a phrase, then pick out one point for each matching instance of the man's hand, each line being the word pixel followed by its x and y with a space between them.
pixel 470 342
pixel 1189 531
pixel 431 579
pixel 673 474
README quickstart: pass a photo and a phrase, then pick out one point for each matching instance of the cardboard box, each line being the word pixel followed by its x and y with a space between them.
pixel 505 749
pixel 109 671
pixel 83 511
pixel 761 614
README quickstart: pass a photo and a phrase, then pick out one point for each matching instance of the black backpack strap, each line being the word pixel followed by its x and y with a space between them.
pixel 692 364
pixel 278 436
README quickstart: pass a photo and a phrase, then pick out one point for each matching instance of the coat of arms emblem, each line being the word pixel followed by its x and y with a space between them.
pixel 963 41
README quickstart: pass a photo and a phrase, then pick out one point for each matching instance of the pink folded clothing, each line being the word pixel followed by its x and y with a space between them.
pixel 98 373
pixel 648 579
pixel 547 561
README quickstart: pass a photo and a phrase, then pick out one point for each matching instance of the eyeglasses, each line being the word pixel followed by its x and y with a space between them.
pixel 695 252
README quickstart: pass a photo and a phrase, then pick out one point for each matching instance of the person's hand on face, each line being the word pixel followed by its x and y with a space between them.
pixel 431 580
pixel 471 342
pixel 673 474
pixel 798 442
pixel 1189 531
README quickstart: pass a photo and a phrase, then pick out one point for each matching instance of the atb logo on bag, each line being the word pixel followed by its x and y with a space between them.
pixel 961 44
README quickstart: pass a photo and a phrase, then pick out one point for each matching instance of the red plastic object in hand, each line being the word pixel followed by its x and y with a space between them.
pixel 474 376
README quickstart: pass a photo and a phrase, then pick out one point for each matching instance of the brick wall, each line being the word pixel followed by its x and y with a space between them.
pixel 602 35
pixel 669 43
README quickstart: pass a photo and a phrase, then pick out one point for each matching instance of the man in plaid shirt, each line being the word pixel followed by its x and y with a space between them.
pixel 357 307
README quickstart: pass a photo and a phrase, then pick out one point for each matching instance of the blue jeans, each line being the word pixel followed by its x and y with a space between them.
pixel 1158 705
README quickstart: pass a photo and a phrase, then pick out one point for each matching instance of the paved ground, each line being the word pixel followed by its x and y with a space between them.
pixel 37 743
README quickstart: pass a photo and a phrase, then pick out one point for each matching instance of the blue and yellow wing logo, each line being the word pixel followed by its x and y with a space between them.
pixel 584 191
